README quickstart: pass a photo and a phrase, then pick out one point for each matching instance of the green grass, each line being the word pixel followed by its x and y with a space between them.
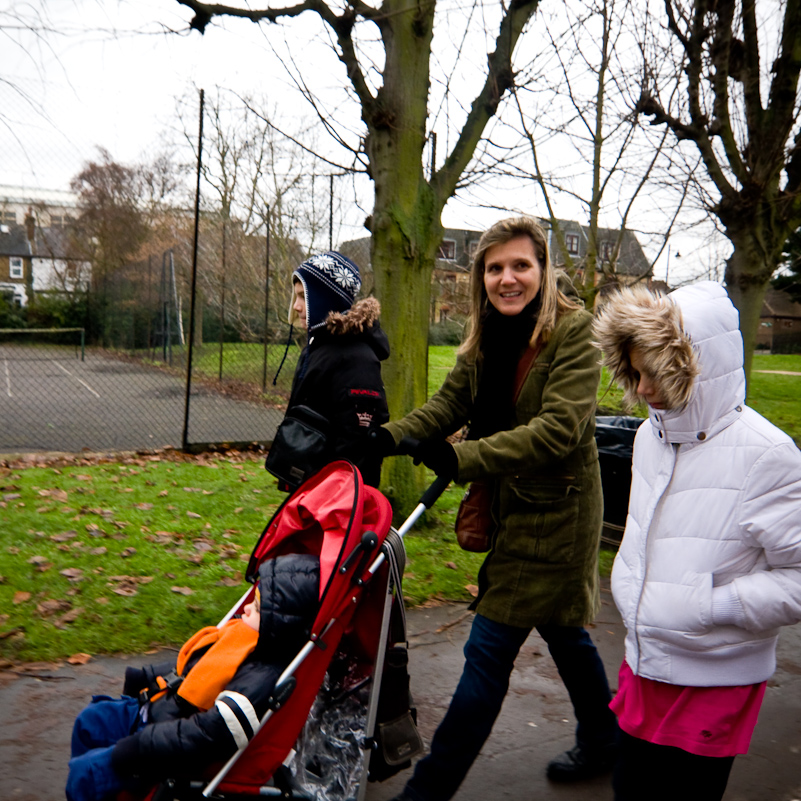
pixel 777 397
pixel 242 363
pixel 441 359
pixel 118 556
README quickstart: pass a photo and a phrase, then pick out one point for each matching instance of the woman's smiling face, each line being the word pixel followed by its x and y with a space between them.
pixel 512 275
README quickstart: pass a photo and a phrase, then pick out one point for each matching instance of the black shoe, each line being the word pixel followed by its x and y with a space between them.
pixel 577 764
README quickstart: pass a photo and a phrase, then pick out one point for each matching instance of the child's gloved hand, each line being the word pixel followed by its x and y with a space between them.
pixel 135 680
pixel 439 456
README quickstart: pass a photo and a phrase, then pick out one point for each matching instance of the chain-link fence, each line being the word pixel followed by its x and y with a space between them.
pixel 99 346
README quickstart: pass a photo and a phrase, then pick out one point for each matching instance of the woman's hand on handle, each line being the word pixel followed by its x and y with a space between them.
pixel 439 456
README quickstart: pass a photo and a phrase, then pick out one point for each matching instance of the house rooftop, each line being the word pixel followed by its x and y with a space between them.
pixel 31 194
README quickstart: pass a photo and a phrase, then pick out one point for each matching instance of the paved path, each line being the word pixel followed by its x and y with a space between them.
pixel 36 716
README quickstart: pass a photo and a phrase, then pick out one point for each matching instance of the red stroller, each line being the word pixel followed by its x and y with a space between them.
pixel 328 719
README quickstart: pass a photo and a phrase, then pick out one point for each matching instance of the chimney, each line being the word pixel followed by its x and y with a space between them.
pixel 30 226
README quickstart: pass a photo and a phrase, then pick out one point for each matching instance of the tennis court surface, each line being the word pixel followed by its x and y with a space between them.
pixel 55 400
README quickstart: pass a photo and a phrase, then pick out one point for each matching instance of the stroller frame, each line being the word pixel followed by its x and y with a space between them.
pixel 360 564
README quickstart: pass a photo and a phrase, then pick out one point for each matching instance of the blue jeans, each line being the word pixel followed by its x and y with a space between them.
pixel 490 654
pixel 94 733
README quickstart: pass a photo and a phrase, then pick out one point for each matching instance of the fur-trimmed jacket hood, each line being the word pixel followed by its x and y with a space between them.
pixel 692 343
pixel 360 317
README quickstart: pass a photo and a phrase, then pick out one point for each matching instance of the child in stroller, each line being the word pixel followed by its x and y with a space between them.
pixel 176 718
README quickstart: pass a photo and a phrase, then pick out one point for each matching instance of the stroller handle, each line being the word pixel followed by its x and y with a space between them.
pixel 428 499
pixel 431 495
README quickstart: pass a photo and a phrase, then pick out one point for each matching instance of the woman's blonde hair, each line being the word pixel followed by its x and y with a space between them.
pixel 635 317
pixel 553 302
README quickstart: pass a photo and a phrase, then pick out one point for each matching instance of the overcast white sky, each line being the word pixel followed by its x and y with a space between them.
pixel 108 73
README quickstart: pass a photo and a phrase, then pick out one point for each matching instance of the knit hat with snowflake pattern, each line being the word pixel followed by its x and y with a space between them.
pixel 330 283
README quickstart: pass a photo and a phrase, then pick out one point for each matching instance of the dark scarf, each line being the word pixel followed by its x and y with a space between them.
pixel 503 341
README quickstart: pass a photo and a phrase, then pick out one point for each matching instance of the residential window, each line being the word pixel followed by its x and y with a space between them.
pixel 447 249
pixel 56 220
pixel 572 243
pixel 15 267
pixel 10 217
pixel 472 247
pixel 607 250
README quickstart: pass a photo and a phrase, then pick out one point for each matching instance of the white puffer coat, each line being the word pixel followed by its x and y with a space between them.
pixel 710 563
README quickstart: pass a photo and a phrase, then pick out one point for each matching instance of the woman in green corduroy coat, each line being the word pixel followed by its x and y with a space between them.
pixel 525 384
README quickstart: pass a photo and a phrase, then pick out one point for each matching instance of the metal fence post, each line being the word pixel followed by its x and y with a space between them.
pixel 185 440
pixel 266 302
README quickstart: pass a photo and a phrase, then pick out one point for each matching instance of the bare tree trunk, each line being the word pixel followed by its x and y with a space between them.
pixel 748 272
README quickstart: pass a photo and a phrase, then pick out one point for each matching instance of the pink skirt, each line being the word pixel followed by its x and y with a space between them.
pixel 707 721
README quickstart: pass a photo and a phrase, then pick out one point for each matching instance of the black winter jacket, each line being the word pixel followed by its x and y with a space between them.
pixel 339 376
pixel 178 738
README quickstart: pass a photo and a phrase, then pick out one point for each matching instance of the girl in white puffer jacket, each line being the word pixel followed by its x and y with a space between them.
pixel 710 563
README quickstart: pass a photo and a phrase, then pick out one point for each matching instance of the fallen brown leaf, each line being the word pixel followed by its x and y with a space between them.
pixel 183 590
pixel 20 596
pixel 79 659
pixel 64 536
pixel 72 573
pixel 472 589
pixel 51 606
pixel 203 545
pixel 68 617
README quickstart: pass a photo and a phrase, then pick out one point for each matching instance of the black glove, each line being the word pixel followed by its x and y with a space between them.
pixel 381 442
pixel 125 758
pixel 439 456
pixel 135 680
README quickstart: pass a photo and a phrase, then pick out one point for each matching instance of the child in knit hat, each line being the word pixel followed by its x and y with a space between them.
pixel 338 375
pixel 174 718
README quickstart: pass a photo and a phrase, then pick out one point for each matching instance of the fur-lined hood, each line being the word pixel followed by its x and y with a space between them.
pixel 692 339
pixel 355 320
pixel 361 320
